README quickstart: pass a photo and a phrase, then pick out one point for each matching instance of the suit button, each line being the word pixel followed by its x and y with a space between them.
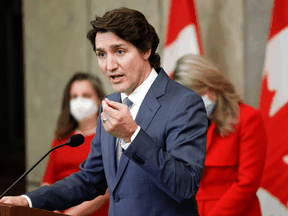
pixel 117 199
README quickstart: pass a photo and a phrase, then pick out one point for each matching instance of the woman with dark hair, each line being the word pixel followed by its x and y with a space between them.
pixel 80 104
pixel 236 142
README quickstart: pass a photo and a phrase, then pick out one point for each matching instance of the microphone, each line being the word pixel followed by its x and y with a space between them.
pixel 73 141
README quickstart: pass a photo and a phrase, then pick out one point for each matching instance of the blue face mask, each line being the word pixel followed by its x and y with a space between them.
pixel 209 105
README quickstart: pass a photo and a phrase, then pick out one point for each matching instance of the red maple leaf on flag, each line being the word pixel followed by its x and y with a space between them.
pixel 275 174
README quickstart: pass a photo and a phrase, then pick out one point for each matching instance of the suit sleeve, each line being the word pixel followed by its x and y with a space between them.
pixel 252 149
pixel 84 185
pixel 175 166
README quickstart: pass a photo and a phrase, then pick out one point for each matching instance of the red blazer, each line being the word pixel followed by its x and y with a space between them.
pixel 233 168
pixel 65 161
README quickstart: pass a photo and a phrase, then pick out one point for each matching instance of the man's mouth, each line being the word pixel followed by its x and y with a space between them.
pixel 115 77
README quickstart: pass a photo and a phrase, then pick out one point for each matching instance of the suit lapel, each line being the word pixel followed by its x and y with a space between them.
pixel 122 166
pixel 109 143
pixel 150 104
pixel 146 113
pixel 109 146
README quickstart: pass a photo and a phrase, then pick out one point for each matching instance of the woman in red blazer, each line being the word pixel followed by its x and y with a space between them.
pixel 79 111
pixel 236 142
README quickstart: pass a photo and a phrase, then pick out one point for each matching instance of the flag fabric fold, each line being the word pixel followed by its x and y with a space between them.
pixel 182 33
pixel 273 104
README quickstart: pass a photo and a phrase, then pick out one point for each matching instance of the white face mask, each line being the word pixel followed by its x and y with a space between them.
pixel 209 105
pixel 82 108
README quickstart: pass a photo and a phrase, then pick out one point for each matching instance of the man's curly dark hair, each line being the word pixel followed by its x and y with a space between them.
pixel 129 25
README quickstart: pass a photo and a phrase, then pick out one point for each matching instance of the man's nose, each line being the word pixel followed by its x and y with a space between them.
pixel 111 63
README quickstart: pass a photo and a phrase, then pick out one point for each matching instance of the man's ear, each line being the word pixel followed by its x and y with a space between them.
pixel 146 54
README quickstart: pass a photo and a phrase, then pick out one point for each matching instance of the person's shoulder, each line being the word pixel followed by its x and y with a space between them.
pixel 180 89
pixel 56 142
pixel 247 108
pixel 177 92
pixel 249 112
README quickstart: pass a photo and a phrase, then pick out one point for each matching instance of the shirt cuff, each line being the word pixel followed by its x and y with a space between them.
pixel 28 200
pixel 126 145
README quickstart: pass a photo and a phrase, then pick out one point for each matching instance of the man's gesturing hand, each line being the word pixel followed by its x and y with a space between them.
pixel 118 120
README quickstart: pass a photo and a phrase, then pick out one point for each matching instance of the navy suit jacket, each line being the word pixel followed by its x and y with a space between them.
pixel 158 174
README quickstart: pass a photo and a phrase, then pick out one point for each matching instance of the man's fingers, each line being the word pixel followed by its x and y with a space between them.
pixel 113 104
pixel 114 109
pixel 104 104
pixel 105 118
pixel 109 111
pixel 3 200
pixel 15 200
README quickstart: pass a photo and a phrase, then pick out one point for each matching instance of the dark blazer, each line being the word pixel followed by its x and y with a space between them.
pixel 158 174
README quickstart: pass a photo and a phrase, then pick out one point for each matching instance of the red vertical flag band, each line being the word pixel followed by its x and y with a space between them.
pixel 182 33
pixel 273 104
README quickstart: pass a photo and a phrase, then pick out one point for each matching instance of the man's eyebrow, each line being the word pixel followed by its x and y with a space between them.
pixel 112 47
pixel 117 45
pixel 99 49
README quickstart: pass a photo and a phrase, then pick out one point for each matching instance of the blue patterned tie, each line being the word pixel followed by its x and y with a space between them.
pixel 120 141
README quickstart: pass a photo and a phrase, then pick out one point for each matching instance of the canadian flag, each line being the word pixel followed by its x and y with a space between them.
pixel 182 33
pixel 273 104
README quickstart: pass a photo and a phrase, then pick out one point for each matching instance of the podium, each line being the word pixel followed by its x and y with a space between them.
pixel 12 210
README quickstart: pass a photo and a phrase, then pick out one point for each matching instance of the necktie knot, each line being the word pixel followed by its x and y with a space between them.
pixel 127 102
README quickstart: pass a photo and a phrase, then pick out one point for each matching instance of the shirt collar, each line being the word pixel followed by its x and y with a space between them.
pixel 138 95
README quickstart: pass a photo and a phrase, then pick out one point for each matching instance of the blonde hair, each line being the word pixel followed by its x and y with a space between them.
pixel 201 75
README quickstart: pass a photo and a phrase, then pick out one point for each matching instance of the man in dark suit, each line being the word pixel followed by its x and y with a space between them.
pixel 148 151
